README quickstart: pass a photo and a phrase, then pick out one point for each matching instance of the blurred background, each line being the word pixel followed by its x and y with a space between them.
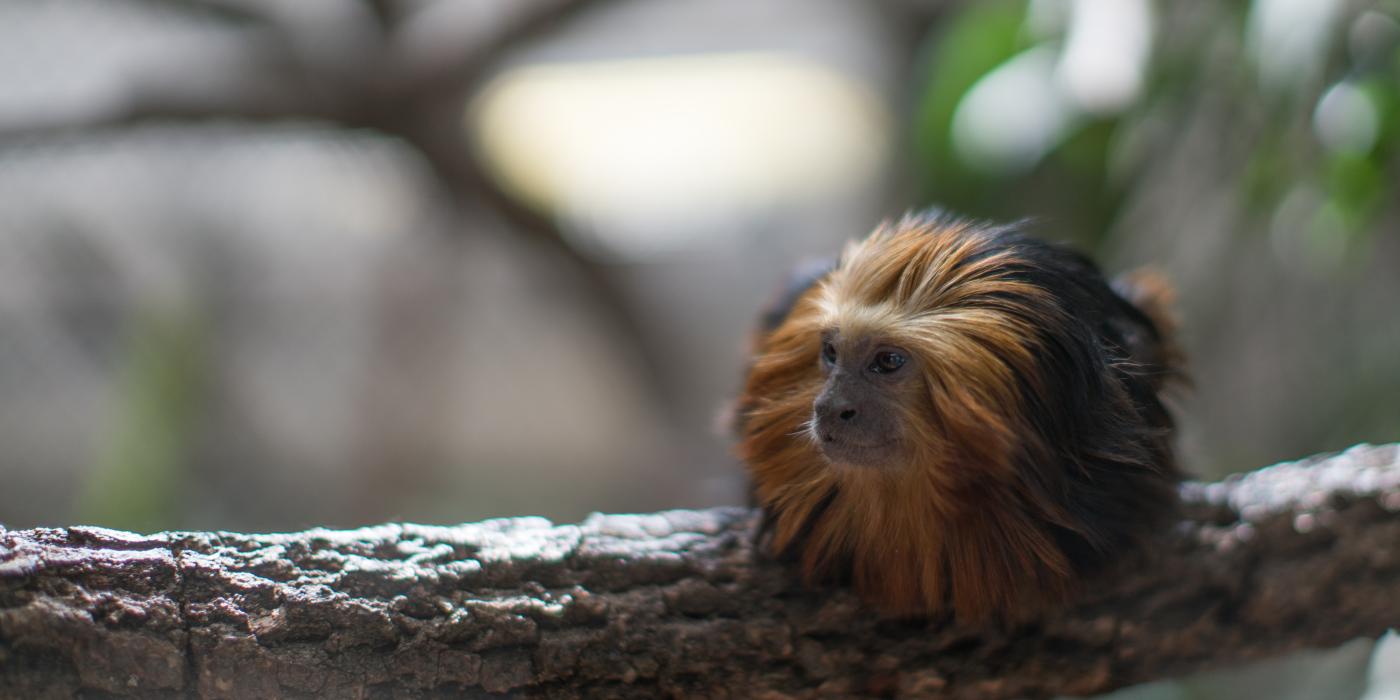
pixel 264 267
pixel 267 265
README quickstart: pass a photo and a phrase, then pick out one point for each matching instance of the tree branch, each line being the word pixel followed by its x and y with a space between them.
pixel 435 57
pixel 412 83
pixel 1295 556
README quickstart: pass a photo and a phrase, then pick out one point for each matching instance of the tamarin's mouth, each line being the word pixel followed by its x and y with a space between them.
pixel 863 455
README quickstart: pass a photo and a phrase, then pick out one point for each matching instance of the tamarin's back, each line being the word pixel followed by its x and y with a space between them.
pixel 958 415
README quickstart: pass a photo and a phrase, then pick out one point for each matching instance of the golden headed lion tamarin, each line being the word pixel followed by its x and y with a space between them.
pixel 959 418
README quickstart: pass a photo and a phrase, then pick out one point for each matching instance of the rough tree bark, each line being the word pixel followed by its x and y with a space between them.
pixel 676 603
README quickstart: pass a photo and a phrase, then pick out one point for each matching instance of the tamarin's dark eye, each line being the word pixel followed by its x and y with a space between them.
pixel 887 362
pixel 829 352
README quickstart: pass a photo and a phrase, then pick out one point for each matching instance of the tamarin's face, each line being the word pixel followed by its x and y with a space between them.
pixel 868 385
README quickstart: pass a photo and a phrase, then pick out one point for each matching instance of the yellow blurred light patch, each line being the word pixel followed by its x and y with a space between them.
pixel 648 155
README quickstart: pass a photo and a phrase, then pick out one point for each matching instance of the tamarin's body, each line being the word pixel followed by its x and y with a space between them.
pixel 957 417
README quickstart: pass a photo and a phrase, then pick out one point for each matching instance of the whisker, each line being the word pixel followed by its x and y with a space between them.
pixel 808 429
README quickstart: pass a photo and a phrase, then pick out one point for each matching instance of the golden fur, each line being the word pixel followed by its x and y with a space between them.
pixel 963 524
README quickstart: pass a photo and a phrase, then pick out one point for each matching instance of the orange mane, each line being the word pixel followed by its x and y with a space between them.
pixel 967 522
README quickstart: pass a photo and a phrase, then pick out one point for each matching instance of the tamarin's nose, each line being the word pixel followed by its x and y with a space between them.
pixel 834 409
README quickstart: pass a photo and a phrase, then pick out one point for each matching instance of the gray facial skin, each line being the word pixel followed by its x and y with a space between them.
pixel 856 417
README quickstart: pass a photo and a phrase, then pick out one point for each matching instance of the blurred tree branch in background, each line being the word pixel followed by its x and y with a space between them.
pixel 677 604
pixel 403 69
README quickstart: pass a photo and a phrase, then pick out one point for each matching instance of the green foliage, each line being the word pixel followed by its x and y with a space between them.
pixel 981 37
pixel 1078 186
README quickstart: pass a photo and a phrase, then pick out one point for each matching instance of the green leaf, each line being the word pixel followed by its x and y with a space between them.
pixel 136 485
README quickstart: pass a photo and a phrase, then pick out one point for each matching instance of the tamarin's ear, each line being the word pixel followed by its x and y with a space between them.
pixel 1149 291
